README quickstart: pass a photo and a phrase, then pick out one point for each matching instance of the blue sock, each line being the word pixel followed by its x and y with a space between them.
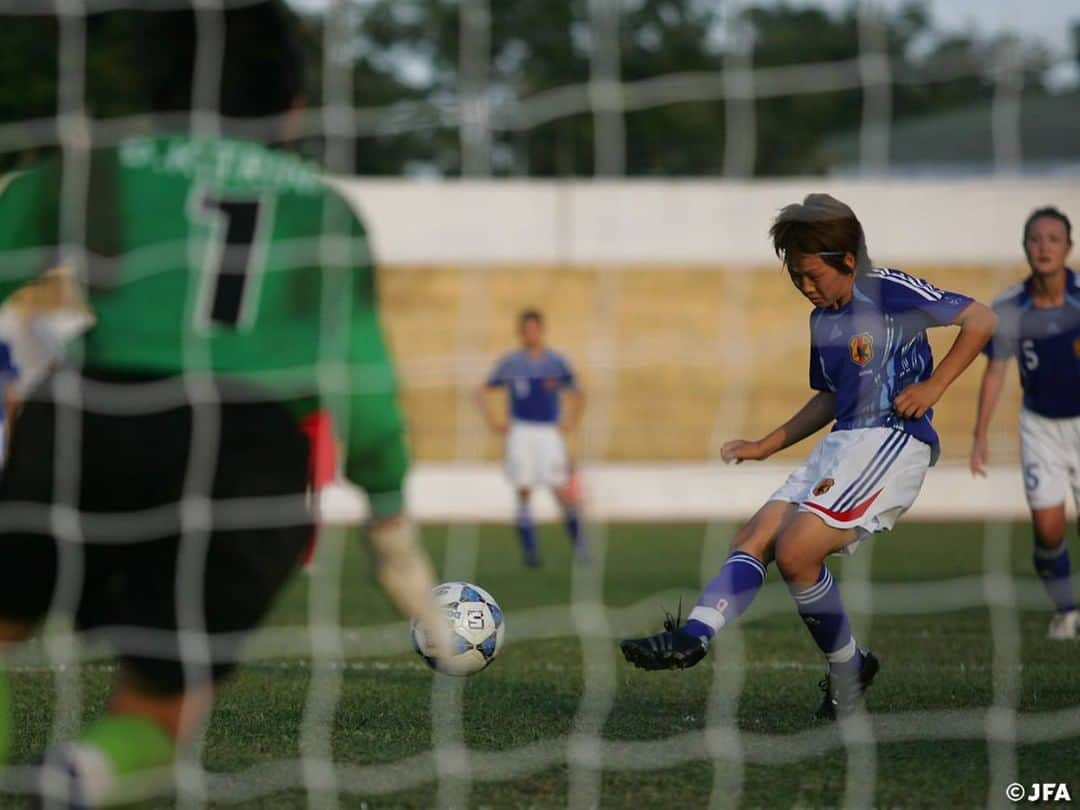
pixel 1052 566
pixel 823 612
pixel 727 595
pixel 573 528
pixel 526 530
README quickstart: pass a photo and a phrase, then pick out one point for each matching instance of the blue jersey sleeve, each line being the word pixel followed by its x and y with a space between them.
pixel 566 375
pixel 498 375
pixel 919 302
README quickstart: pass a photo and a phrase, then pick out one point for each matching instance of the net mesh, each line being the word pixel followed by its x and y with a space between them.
pixel 453 765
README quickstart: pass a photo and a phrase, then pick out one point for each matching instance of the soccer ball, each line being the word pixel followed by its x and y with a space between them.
pixel 476 629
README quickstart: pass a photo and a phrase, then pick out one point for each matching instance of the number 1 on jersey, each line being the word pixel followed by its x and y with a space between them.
pixel 233 259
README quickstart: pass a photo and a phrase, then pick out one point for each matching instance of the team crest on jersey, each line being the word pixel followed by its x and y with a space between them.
pixel 550 383
pixel 823 486
pixel 861 348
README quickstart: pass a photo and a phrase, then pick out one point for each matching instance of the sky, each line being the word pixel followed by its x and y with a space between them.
pixel 1047 20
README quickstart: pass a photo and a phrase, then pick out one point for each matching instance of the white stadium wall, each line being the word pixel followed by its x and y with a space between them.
pixel 634 222
pixel 679 223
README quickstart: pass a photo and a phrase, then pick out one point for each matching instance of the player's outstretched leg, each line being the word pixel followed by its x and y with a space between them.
pixel 724 599
pixel 800 553
pixel 1052 565
pixel 134 740
pixel 526 530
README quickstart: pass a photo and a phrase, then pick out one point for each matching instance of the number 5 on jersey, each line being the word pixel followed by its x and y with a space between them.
pixel 236 231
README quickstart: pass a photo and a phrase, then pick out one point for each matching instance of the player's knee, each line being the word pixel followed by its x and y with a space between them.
pixel 795 560
pixel 1049 526
pixel 755 538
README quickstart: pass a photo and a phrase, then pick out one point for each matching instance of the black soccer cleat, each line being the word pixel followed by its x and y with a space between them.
pixel 672 649
pixel 843 692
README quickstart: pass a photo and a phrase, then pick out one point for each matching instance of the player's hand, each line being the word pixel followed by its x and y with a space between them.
pixel 499 426
pixel 740 450
pixel 980 454
pixel 915 400
pixel 566 427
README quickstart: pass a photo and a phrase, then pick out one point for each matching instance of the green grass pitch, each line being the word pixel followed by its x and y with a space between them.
pixel 927 710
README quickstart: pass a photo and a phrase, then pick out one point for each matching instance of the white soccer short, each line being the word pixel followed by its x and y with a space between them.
pixel 536 455
pixel 1050 455
pixel 862 479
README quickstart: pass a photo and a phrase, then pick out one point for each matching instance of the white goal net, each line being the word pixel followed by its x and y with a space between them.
pixel 657 279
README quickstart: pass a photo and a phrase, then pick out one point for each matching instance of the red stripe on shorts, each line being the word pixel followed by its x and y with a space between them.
pixel 849 515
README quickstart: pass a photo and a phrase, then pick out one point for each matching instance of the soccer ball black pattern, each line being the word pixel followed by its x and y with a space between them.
pixel 476 624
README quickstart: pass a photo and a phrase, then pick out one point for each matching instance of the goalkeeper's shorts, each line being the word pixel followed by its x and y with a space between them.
pixel 181 522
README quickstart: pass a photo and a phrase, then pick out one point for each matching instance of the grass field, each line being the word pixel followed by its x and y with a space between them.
pixel 928 620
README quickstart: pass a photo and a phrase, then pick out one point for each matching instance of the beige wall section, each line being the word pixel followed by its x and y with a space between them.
pixel 700 354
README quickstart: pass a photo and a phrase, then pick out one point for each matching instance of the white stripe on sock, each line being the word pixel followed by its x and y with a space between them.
pixel 815 592
pixel 1049 552
pixel 844 654
pixel 707 615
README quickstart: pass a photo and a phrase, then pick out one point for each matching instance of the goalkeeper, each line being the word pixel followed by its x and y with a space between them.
pixel 226 279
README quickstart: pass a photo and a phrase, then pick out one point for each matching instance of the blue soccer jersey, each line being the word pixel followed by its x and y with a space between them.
pixel 1046 343
pixel 533 384
pixel 875 346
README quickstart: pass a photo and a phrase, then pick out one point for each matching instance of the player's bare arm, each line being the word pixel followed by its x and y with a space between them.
pixel 575 406
pixel 808 420
pixel 993 380
pixel 492 419
pixel 977 322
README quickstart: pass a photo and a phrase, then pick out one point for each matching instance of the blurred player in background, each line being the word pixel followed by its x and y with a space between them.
pixel 35 323
pixel 872 369
pixel 8 398
pixel 1039 324
pixel 535 451
pixel 221 274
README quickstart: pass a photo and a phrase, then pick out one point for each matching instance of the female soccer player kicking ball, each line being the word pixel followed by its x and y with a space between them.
pixel 1040 324
pixel 872 369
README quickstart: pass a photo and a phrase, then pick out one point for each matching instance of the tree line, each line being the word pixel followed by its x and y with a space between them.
pixel 404 66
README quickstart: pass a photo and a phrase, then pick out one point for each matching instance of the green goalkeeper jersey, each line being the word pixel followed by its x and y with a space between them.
pixel 222 256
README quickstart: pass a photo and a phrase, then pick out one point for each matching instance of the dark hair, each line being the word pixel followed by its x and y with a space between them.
pixel 820 224
pixel 261 71
pixel 530 315
pixel 1049 212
